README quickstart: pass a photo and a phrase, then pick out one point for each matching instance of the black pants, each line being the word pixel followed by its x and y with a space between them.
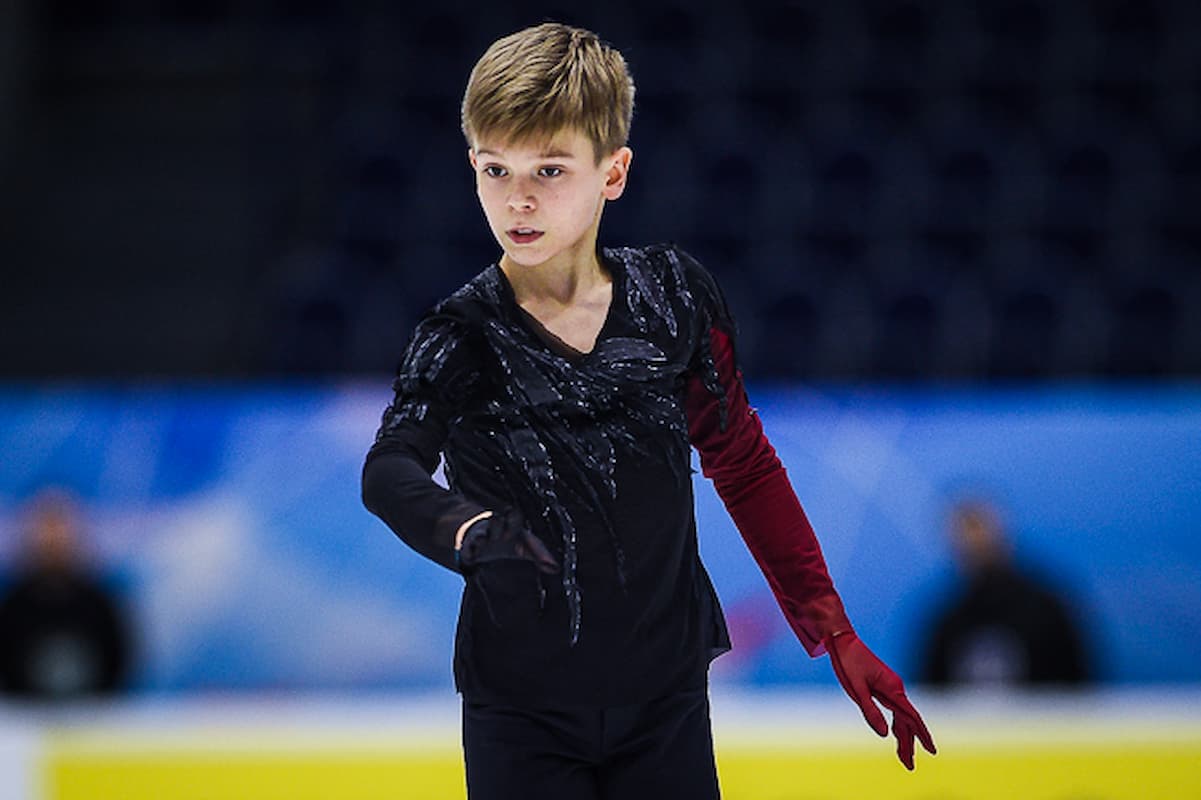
pixel 657 750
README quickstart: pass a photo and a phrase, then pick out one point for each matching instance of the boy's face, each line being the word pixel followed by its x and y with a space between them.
pixel 543 201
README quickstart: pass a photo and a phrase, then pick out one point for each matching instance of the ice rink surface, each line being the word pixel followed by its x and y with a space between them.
pixel 772 745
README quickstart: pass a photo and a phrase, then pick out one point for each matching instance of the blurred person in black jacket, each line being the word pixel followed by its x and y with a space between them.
pixel 1004 627
pixel 64 634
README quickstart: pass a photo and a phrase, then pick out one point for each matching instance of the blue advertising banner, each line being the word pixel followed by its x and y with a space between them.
pixel 228 518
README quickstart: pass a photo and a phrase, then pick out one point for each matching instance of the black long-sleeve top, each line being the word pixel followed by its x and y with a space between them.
pixel 592 449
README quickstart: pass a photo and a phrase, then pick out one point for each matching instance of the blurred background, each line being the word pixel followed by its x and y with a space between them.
pixel 916 189
pixel 963 244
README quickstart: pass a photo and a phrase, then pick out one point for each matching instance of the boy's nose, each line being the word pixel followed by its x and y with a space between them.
pixel 521 194
pixel 521 201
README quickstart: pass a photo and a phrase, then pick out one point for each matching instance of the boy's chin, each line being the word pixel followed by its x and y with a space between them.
pixel 524 258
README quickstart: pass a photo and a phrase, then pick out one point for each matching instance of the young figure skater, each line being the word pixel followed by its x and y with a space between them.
pixel 564 386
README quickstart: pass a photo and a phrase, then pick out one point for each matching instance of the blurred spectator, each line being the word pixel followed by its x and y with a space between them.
pixel 1004 627
pixel 64 634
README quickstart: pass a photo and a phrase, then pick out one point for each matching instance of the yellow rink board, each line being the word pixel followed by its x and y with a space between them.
pixel 81 770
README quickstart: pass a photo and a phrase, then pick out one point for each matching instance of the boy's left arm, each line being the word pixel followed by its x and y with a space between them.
pixel 748 476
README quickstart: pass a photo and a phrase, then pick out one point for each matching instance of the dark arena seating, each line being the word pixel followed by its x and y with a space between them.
pixel 887 190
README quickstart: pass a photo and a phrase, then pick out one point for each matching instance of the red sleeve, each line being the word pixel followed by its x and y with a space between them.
pixel 736 455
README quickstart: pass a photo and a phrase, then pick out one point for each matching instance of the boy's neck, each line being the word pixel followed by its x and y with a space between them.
pixel 560 281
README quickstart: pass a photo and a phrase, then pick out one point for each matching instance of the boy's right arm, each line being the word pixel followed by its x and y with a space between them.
pixel 434 384
pixel 398 489
pixel 436 376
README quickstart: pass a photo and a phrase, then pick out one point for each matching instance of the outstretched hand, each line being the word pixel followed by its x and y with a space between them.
pixel 866 678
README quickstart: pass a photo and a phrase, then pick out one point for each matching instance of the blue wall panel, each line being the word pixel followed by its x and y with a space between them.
pixel 230 515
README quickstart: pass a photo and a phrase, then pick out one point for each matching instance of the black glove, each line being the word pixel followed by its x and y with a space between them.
pixel 503 536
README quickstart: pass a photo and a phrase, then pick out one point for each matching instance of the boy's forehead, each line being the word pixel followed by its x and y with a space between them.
pixel 562 144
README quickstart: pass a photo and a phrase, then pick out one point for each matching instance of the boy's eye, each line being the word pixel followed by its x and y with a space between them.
pixel 550 172
pixel 493 171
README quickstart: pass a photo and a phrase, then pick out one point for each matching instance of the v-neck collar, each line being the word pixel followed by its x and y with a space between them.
pixel 552 342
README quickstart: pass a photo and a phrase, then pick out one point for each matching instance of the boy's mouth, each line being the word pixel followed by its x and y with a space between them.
pixel 523 235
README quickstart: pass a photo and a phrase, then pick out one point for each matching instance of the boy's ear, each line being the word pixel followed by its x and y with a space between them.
pixel 618 173
pixel 471 156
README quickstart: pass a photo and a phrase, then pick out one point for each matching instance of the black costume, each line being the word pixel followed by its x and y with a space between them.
pixel 592 451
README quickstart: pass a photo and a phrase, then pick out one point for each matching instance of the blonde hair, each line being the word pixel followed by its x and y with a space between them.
pixel 532 84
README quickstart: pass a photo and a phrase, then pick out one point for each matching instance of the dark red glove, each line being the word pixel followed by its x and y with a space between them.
pixel 864 677
pixel 748 476
pixel 751 481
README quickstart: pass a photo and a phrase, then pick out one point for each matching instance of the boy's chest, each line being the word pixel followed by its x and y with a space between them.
pixel 625 396
pixel 577 326
pixel 621 367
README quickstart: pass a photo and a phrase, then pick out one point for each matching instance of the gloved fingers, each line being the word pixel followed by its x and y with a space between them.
pixel 866 679
pixel 903 710
pixel 903 730
pixel 861 695
pixel 504 536
pixel 532 547
pixel 871 714
pixel 855 684
pixel 474 546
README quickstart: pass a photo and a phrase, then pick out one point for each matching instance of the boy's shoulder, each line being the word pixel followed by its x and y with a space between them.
pixel 666 269
pixel 657 257
pixel 478 298
pixel 664 264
